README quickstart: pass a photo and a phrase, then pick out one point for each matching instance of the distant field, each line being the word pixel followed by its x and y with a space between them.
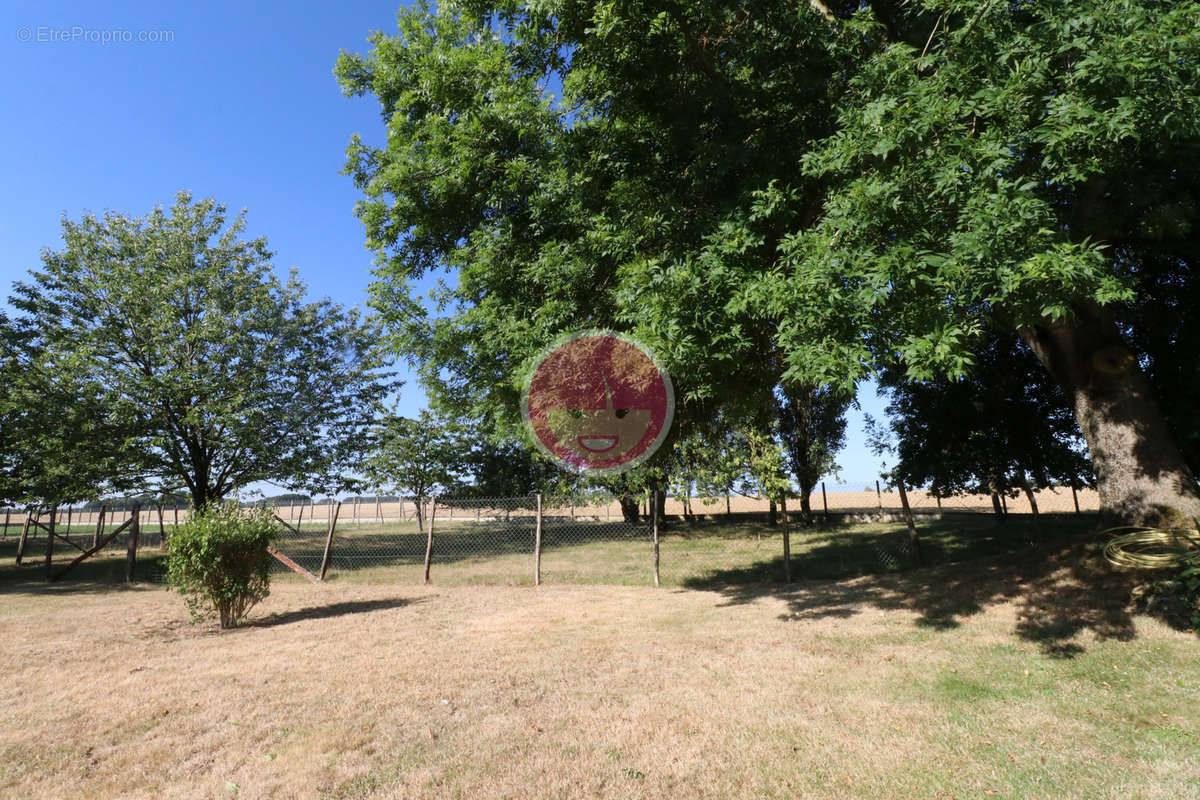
pixel 1016 673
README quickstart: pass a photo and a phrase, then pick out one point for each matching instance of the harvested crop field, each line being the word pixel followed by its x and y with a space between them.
pixel 1027 679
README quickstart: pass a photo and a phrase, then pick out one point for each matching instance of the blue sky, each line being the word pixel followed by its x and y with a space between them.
pixel 233 101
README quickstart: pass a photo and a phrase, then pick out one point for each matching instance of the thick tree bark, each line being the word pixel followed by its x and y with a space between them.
pixel 1140 474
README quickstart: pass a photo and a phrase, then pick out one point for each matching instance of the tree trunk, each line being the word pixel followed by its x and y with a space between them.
pixel 1140 474
pixel 806 508
pixel 996 507
pixel 629 508
pixel 773 514
pixel 660 502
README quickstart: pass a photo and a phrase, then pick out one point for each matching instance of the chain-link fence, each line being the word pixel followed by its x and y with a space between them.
pixel 596 538
pixel 89 546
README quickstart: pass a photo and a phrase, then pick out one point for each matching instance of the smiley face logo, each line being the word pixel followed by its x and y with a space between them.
pixel 598 402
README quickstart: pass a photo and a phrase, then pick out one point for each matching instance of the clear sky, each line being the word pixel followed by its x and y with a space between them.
pixel 120 105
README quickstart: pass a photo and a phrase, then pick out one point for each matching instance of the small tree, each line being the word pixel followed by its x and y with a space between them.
pixel 812 423
pixel 219 561
pixel 417 456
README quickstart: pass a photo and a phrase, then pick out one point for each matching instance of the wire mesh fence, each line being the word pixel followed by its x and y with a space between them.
pixel 591 538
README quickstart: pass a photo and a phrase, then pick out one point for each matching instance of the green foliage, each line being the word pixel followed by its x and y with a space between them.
pixel 812 427
pixel 767 194
pixel 418 457
pixel 58 441
pixel 1002 427
pixel 219 561
pixel 164 350
pixel 510 469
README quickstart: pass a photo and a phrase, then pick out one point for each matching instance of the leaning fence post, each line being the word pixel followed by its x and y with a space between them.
pixel 824 500
pixel 654 530
pixel 537 544
pixel 131 551
pixel 24 535
pixel 333 518
pixel 429 539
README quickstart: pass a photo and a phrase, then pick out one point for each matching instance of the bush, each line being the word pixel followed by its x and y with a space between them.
pixel 219 562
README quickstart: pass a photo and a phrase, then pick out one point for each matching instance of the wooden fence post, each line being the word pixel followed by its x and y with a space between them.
pixel 824 500
pixel 787 541
pixel 912 528
pixel 429 540
pixel 99 526
pixel 24 535
pixel 654 531
pixel 333 518
pixel 537 544
pixel 131 550
pixel 175 508
pixel 162 529
pixel 50 540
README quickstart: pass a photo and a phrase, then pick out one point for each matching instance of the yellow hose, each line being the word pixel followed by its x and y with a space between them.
pixel 1153 548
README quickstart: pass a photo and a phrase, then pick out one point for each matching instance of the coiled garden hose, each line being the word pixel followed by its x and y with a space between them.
pixel 1153 548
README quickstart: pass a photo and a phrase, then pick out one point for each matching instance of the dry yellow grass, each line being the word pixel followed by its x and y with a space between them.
pixel 826 690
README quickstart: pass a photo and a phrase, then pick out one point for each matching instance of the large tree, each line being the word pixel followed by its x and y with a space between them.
pixel 166 347
pixel 1003 427
pixel 795 193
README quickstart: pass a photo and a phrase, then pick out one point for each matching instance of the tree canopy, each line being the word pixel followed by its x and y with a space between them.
pixel 161 352
pixel 1006 426
pixel 805 194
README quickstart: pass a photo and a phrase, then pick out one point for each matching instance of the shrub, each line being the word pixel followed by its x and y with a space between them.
pixel 219 562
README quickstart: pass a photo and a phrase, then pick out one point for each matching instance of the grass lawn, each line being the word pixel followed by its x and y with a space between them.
pixel 1001 670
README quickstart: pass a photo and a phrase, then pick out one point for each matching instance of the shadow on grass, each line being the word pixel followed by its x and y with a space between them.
pixel 1061 584
pixel 331 610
